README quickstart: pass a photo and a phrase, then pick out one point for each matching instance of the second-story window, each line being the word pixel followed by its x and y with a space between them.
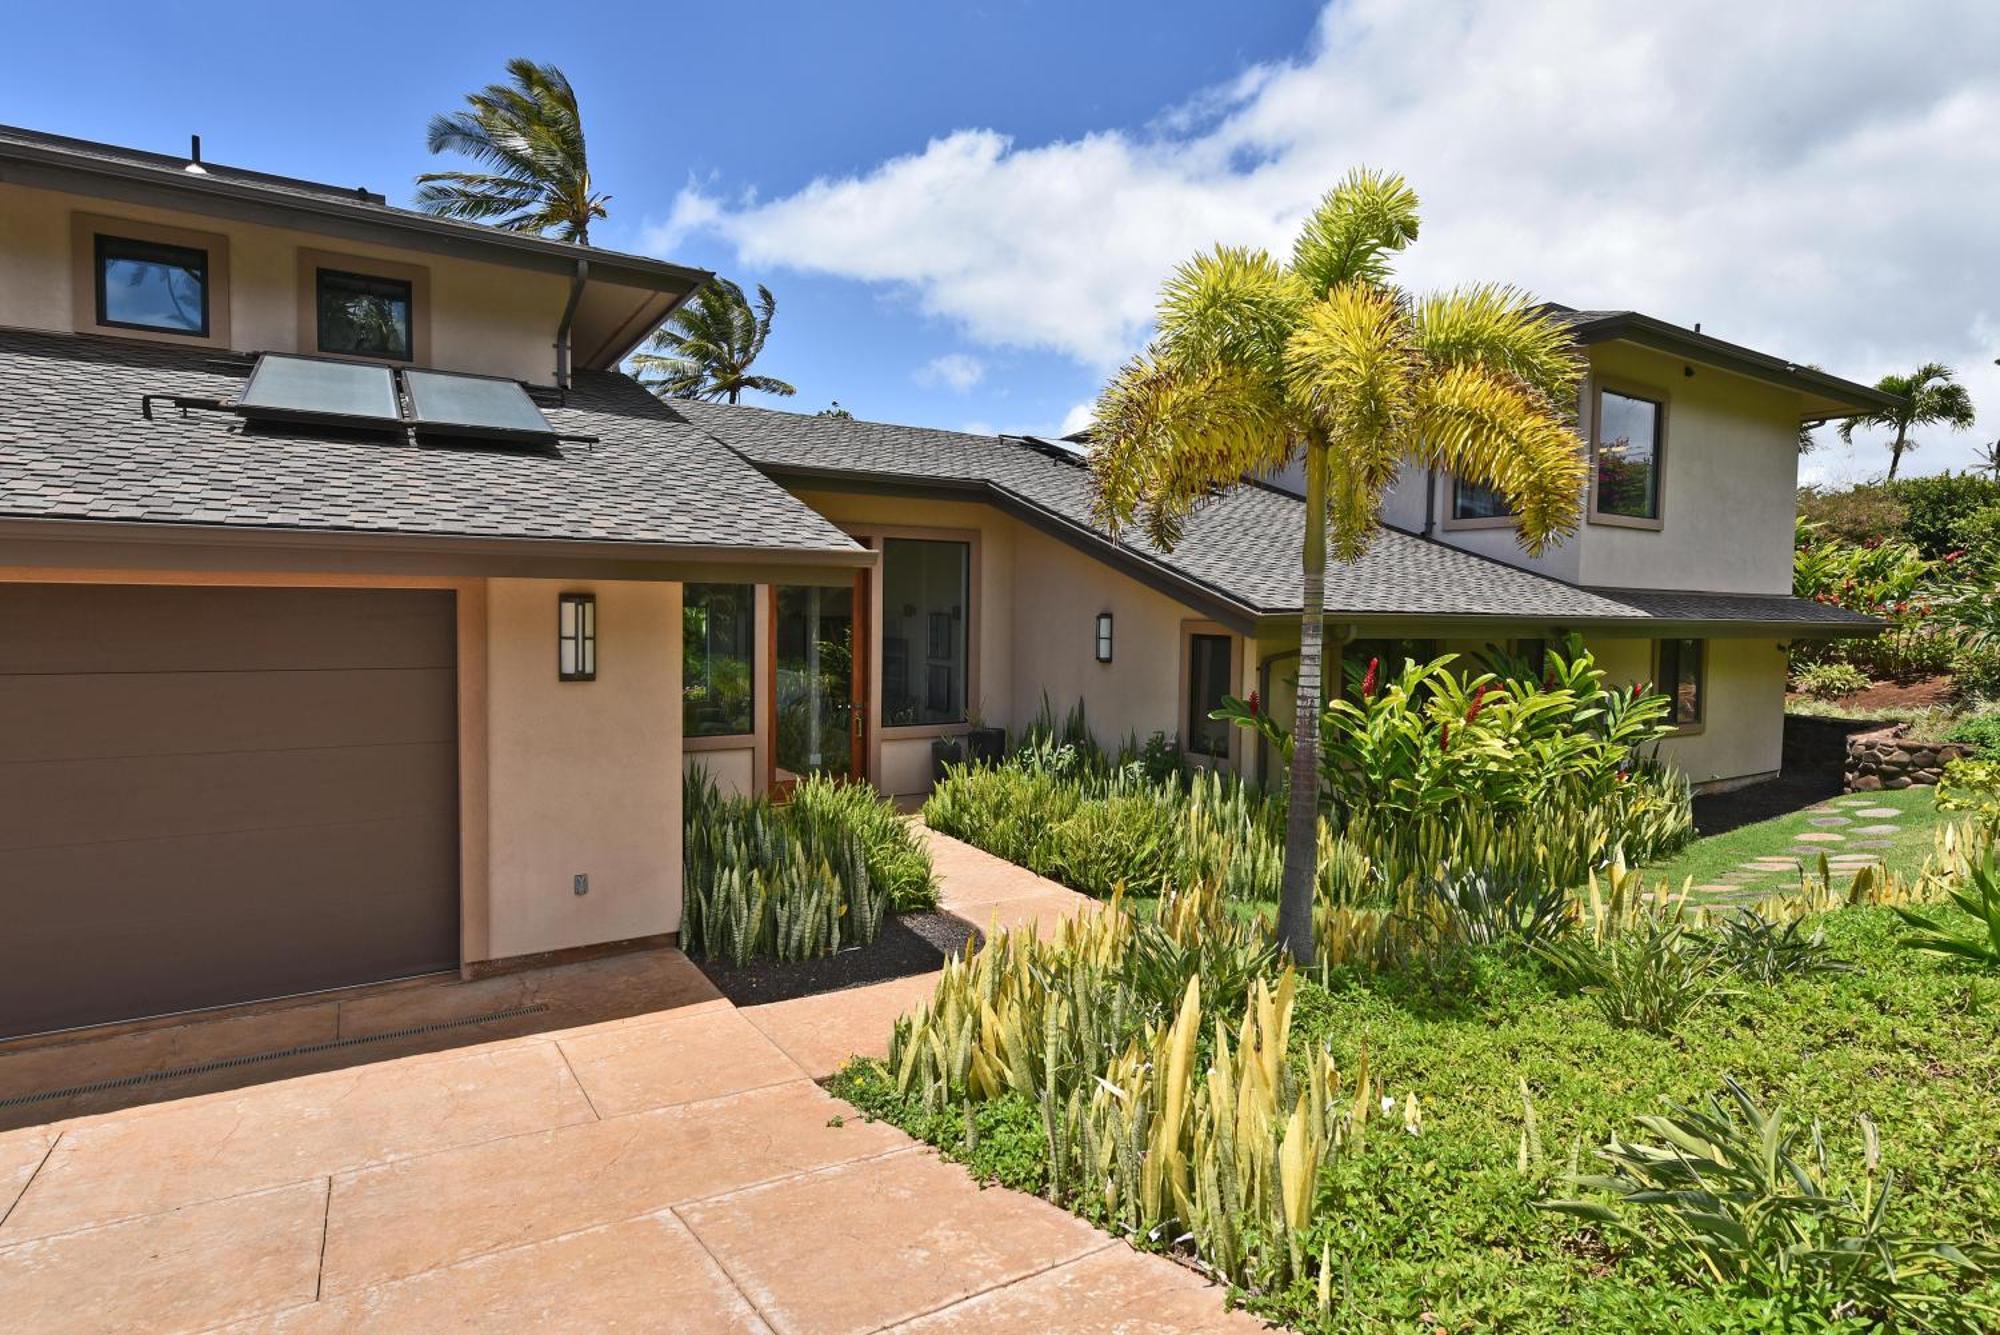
pixel 153 286
pixel 361 315
pixel 1469 500
pixel 1626 458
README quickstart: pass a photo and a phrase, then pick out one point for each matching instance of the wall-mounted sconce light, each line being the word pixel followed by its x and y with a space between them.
pixel 1104 637
pixel 576 637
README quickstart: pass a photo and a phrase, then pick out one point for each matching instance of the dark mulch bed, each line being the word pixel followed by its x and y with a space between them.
pixel 909 943
pixel 1719 813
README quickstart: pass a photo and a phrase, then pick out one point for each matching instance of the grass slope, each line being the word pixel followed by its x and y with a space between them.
pixel 1709 858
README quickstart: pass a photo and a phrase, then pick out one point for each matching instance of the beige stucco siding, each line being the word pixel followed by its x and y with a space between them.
pixel 1727 497
pixel 1743 733
pixel 733 768
pixel 583 777
pixel 483 318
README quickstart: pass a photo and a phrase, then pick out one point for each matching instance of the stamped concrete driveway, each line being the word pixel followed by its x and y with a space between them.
pixel 669 1171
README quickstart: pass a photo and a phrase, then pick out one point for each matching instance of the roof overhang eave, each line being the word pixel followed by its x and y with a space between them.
pixel 1846 397
pixel 53 169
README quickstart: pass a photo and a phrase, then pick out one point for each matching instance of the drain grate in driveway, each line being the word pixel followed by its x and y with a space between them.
pixel 279 1054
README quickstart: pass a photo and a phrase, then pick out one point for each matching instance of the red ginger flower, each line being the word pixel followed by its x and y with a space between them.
pixel 1478 703
pixel 1368 680
pixel 1254 704
pixel 1444 736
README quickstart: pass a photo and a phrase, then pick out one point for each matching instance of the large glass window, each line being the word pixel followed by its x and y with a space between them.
pixel 1469 500
pixel 364 316
pixel 1208 683
pixel 1628 456
pixel 1681 679
pixel 718 642
pixel 149 285
pixel 926 596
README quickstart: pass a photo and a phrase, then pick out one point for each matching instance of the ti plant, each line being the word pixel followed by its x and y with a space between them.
pixel 1730 1196
pixel 1980 900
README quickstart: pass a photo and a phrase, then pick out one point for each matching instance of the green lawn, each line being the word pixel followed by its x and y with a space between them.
pixel 1721 859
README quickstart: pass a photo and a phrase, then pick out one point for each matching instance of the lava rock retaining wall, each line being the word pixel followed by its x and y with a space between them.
pixel 1890 758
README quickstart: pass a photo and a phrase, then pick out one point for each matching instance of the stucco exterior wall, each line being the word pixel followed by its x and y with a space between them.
pixel 1744 732
pixel 734 768
pixel 582 777
pixel 1728 488
pixel 484 318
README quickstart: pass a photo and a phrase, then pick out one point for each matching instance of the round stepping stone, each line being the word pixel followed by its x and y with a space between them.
pixel 1819 837
pixel 1874 843
pixel 1877 829
pixel 1829 820
pixel 1877 811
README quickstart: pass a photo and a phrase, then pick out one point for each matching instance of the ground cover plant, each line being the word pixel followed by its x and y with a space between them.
pixel 1459 1138
pixel 798 880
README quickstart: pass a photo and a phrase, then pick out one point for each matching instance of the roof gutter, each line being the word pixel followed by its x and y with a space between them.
pixel 568 319
pixel 1644 330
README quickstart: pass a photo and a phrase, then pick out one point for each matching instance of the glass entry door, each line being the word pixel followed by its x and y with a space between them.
pixel 819 682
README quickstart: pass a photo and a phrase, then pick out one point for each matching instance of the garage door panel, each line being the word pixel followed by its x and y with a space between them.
pixel 99 715
pixel 211 920
pixel 141 628
pixel 153 797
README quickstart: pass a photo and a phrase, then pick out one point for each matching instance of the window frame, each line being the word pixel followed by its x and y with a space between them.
pixel 1232 755
pixel 89 230
pixel 758 616
pixel 1662 403
pixel 1453 523
pixel 418 276
pixel 876 537
pixel 1671 689
pixel 140 251
pixel 321 272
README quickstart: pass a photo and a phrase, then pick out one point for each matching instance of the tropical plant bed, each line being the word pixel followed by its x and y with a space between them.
pixel 1489 1092
pixel 909 943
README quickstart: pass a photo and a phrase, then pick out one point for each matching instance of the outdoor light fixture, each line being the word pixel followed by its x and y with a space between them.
pixel 576 637
pixel 1104 637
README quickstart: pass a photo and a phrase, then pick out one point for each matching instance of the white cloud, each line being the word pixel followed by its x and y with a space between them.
pixel 1077 418
pixel 1819 180
pixel 957 370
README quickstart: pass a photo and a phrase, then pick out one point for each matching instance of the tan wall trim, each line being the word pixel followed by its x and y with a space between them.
pixel 1658 394
pixel 729 741
pixel 85 228
pixel 416 275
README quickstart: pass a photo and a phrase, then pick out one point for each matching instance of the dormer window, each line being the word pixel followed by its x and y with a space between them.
pixel 152 286
pixel 1627 446
pixel 361 315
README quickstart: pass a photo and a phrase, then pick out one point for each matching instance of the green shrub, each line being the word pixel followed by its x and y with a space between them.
pixel 1980 902
pixel 1975 673
pixel 1980 731
pixel 797 881
pixel 1755 948
pixel 1854 514
pixel 1119 841
pixel 1937 507
pixel 1829 681
pixel 1973 787
pixel 1651 977
pixel 824 810
pixel 1732 1197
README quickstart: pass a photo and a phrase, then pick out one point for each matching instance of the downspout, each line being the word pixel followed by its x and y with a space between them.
pixel 568 318
pixel 1430 502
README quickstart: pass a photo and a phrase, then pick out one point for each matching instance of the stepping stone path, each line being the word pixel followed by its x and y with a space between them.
pixel 1889 813
pixel 1875 829
pixel 1830 820
pixel 1837 835
pixel 1818 837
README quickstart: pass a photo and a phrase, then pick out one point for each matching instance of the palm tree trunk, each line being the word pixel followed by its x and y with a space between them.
pixel 1896 449
pixel 1301 877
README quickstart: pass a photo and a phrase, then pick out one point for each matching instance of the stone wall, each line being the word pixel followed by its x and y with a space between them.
pixel 1890 758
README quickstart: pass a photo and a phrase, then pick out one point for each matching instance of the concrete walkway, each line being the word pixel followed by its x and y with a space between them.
pixel 677 1170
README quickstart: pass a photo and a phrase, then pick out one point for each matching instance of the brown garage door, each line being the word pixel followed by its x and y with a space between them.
pixel 218 795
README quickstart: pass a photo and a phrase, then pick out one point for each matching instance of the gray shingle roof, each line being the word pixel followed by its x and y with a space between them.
pixel 74 446
pixel 1243 547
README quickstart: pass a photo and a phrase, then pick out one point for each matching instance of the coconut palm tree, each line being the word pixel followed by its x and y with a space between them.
pixel 1989 458
pixel 1930 396
pixel 530 136
pixel 705 350
pixel 1257 362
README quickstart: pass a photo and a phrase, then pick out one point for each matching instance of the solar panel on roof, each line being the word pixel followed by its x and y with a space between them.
pixel 316 391
pixel 477 407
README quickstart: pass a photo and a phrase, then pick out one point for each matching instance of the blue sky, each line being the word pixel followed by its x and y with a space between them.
pixel 740 98
pixel 965 211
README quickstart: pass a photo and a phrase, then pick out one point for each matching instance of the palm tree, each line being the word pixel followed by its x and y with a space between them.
pixel 1930 395
pixel 1989 459
pixel 530 135
pixel 1256 362
pixel 704 351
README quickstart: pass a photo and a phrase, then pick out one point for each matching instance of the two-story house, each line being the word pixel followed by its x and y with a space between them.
pixel 359 619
